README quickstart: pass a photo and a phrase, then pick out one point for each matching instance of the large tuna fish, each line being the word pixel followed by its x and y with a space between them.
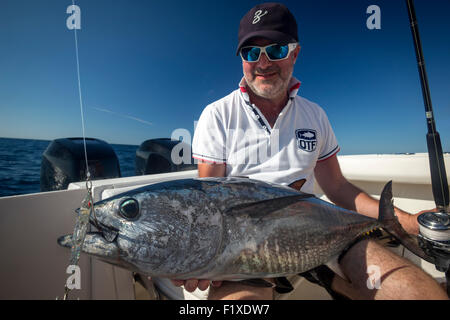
pixel 227 228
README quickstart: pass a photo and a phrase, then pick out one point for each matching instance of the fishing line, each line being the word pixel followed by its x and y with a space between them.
pixel 88 175
pixel 87 204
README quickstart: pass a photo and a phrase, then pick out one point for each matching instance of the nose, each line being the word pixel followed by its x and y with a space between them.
pixel 263 60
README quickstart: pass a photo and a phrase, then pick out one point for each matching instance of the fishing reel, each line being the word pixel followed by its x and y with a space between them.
pixel 434 238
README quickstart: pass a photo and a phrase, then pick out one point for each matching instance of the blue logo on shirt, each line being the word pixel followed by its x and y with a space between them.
pixel 306 139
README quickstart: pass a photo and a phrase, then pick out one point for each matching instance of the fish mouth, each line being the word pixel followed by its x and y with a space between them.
pixel 100 242
pixel 94 244
pixel 67 240
pixel 109 233
pixel 103 236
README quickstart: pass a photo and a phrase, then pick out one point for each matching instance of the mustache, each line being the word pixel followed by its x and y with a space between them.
pixel 271 69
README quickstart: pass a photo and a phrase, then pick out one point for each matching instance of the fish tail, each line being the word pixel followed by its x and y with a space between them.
pixel 390 224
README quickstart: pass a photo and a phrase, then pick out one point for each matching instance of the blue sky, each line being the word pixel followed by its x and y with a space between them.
pixel 150 67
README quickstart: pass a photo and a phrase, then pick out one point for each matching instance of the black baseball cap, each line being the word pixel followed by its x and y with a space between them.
pixel 272 21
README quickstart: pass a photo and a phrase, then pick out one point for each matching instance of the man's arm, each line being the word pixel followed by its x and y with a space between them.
pixel 344 194
pixel 206 169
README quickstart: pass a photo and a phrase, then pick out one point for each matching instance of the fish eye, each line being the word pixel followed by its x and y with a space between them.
pixel 129 209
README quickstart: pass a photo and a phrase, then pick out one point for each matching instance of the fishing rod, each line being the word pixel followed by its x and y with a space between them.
pixel 434 227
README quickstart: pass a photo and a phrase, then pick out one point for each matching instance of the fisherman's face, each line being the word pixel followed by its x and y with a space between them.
pixel 269 79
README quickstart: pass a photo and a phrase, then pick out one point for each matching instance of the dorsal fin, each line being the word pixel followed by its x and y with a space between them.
pixel 262 208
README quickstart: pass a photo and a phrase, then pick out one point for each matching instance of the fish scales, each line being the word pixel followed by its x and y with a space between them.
pixel 223 228
pixel 265 247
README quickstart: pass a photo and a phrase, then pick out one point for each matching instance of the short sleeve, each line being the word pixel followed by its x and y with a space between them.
pixel 329 146
pixel 209 143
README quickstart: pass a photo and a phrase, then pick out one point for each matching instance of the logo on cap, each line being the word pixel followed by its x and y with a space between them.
pixel 258 15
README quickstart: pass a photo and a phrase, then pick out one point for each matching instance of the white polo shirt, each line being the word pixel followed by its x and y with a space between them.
pixel 235 132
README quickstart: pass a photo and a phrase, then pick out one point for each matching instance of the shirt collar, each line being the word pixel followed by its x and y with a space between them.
pixel 294 86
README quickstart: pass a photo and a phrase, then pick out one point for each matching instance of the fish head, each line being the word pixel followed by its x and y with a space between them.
pixel 111 218
pixel 159 232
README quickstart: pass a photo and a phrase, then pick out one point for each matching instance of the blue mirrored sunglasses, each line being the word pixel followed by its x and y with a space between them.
pixel 274 52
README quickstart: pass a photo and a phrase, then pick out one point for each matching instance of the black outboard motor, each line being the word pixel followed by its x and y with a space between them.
pixel 64 162
pixel 163 155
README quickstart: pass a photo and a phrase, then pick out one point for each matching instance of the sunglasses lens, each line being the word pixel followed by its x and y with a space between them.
pixel 250 54
pixel 277 52
pixel 274 52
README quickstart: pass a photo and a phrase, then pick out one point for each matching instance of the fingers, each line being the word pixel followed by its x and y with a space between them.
pixel 203 284
pixel 192 284
pixel 413 223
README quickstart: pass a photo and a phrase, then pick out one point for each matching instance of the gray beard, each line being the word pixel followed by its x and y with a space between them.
pixel 275 92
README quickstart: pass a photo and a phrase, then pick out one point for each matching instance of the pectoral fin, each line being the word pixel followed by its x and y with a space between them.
pixel 333 264
pixel 297 185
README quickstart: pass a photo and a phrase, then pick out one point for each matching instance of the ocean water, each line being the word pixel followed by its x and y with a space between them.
pixel 20 164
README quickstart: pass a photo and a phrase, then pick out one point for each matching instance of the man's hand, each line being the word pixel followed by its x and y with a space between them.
pixel 192 284
pixel 409 221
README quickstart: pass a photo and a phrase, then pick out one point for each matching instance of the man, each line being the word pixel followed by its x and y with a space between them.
pixel 265 131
